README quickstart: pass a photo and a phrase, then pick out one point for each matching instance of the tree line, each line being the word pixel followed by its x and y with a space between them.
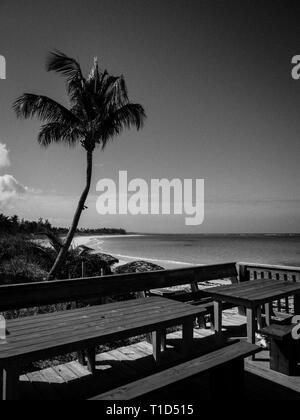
pixel 13 225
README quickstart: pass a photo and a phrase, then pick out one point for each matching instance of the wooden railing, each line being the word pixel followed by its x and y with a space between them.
pixel 19 296
pixel 28 295
pixel 250 271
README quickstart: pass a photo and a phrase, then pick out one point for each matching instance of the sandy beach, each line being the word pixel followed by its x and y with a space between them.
pixel 175 251
pixel 98 244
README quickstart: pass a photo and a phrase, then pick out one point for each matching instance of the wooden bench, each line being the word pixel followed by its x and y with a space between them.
pixel 28 295
pixel 41 337
pixel 280 318
pixel 229 359
pixel 197 297
pixel 284 350
pixel 252 271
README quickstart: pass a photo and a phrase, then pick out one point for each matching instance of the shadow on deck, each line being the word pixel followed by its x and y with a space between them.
pixel 72 381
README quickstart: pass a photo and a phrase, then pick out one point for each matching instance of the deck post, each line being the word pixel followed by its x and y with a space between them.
pixel 218 316
pixel 251 324
pixel 268 314
pixel 1 384
pixel 157 343
pixel 259 318
pixel 217 320
pixel 164 340
pixel 81 358
pixel 243 275
pixel 91 359
pixel 297 304
pixel 187 336
pixel 284 356
pixel 10 384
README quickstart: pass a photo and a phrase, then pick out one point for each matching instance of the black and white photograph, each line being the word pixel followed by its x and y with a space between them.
pixel 149 203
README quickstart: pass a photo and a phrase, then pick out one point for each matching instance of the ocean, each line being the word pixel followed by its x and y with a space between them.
pixel 171 251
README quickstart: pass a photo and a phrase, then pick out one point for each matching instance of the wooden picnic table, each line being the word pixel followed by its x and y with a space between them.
pixel 40 337
pixel 253 295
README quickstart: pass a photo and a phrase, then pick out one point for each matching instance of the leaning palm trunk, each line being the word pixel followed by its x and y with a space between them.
pixel 81 204
pixel 99 110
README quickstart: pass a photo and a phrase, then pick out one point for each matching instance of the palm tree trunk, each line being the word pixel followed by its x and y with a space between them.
pixel 64 250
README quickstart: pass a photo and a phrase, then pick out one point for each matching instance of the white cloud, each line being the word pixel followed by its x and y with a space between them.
pixel 10 188
pixel 4 156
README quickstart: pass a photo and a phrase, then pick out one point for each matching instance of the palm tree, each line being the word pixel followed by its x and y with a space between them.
pixel 99 110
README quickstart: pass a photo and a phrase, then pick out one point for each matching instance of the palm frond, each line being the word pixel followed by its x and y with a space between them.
pixel 99 106
pixel 116 93
pixel 60 63
pixel 46 109
pixel 76 83
pixel 93 79
pixel 106 83
pixel 55 241
pixel 54 132
pixel 129 115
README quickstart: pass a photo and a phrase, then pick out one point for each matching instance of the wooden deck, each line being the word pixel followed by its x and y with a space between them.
pixel 72 381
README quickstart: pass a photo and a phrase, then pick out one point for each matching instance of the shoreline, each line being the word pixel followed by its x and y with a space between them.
pixel 97 241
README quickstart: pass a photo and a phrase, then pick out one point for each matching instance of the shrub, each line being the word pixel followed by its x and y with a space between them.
pixel 19 270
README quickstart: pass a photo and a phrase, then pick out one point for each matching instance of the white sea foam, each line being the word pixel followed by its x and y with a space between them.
pixel 132 257
pixel 97 243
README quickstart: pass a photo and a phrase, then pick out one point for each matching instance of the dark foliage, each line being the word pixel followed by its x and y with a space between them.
pixel 13 226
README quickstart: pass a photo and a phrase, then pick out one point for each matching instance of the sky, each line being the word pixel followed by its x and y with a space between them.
pixel 215 79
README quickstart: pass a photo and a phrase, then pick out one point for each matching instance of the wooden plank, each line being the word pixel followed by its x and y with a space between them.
pixel 103 313
pixel 252 286
pixel 243 273
pixel 255 288
pixel 44 293
pixel 297 304
pixel 28 391
pixel 10 384
pixel 52 385
pixel 278 331
pixel 181 372
pixel 104 317
pixel 187 336
pixel 68 344
pixel 284 356
pixel 78 369
pixel 106 329
pixel 237 293
pixel 116 308
pixel 101 318
pixel 285 289
pixel 271 267
pixel 263 371
pixel 136 358
pixel 251 325
pixel 260 291
pixel 91 359
pixel 156 343
pixel 218 317
pixel 268 313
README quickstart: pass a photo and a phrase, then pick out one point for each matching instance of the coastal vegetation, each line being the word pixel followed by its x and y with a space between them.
pixel 99 111
pixel 25 254
pixel 14 225
pixel 24 260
